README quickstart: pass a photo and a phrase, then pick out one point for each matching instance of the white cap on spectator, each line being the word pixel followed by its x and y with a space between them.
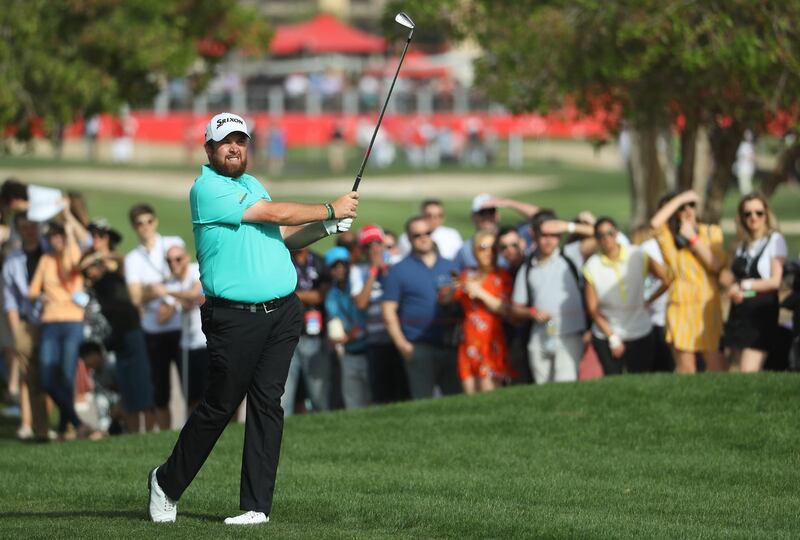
pixel 479 201
pixel 224 124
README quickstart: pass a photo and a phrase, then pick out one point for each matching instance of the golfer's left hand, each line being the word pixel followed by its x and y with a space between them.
pixel 337 226
pixel 343 225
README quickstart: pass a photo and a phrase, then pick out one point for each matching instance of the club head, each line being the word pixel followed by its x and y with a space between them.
pixel 405 20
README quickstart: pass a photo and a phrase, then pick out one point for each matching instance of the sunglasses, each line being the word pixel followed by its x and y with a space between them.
pixel 503 247
pixel 143 222
pixel 757 213
pixel 688 205
pixel 414 236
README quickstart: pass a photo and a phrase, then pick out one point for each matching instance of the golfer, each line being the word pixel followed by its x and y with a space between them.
pixel 251 317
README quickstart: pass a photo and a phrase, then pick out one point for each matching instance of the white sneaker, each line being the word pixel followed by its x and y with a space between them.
pixel 25 433
pixel 162 509
pixel 248 518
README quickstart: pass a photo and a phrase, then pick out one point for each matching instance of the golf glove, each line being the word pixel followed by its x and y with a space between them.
pixel 334 226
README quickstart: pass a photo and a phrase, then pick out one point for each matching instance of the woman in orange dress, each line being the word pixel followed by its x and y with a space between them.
pixel 484 294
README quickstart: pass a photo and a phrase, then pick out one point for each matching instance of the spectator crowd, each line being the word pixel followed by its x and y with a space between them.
pixel 387 318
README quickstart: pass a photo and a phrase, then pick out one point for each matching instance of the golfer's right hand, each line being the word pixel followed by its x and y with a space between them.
pixel 346 205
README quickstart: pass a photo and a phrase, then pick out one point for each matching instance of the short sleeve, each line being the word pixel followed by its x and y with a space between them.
pixel 219 202
pixel 520 293
pixel 391 287
pixel 131 269
pixel 779 247
pixel 356 280
pixel 776 248
pixel 587 274
pixel 716 241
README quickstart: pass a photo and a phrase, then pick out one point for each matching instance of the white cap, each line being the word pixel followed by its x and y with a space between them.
pixel 478 202
pixel 224 124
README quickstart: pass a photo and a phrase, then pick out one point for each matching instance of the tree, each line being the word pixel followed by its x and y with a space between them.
pixel 710 69
pixel 63 59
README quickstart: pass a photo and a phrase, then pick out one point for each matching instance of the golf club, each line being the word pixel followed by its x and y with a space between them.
pixel 406 21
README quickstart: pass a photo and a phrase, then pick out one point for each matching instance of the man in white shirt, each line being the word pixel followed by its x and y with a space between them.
pixel 146 272
pixel 185 297
pixel 447 239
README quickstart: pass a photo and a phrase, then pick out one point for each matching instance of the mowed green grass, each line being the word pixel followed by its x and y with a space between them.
pixel 712 456
pixel 577 188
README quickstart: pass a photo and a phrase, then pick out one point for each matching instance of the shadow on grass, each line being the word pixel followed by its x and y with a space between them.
pixel 126 514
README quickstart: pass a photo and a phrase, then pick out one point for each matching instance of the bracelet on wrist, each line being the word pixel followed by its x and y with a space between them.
pixel 329 208
pixel 614 341
pixel 571 227
pixel 693 240
pixel 532 311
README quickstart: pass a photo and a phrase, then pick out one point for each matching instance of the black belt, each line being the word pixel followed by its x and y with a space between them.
pixel 252 308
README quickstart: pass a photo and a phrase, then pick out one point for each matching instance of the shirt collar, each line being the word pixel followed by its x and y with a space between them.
pixel 623 256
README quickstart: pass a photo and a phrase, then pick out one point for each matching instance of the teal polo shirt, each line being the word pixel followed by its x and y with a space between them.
pixel 239 261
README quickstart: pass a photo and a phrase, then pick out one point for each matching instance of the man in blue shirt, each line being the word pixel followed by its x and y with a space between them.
pixel 22 315
pixel 251 317
pixel 416 322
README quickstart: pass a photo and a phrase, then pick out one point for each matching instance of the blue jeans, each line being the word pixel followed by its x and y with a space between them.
pixel 58 357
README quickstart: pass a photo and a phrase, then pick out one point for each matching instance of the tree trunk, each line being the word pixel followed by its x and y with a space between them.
pixel 724 144
pixel 703 165
pixel 647 174
pixel 783 170
pixel 688 150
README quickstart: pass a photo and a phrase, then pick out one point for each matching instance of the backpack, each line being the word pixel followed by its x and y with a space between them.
pixel 579 281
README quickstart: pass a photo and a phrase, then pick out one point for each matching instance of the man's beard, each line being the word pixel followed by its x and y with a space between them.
pixel 226 168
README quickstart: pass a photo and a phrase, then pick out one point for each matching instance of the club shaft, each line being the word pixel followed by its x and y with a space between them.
pixel 380 118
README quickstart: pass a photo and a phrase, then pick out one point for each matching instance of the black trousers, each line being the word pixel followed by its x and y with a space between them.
pixel 387 374
pixel 637 358
pixel 249 355
pixel 162 348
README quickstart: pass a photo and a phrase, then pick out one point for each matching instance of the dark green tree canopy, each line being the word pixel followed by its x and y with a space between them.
pixel 655 58
pixel 65 58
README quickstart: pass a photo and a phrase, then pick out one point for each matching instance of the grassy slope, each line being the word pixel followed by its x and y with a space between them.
pixel 655 456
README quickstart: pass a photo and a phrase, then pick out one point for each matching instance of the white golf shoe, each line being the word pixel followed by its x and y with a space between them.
pixel 248 518
pixel 162 509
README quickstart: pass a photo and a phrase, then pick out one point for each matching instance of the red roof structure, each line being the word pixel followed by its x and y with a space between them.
pixel 324 34
pixel 417 65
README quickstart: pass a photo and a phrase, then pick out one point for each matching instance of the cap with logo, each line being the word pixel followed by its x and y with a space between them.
pixel 479 201
pixel 370 233
pixel 223 125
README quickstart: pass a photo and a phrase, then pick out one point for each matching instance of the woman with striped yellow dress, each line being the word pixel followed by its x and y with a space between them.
pixel 695 255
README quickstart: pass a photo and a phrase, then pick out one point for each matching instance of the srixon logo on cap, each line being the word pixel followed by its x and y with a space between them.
pixel 228 119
